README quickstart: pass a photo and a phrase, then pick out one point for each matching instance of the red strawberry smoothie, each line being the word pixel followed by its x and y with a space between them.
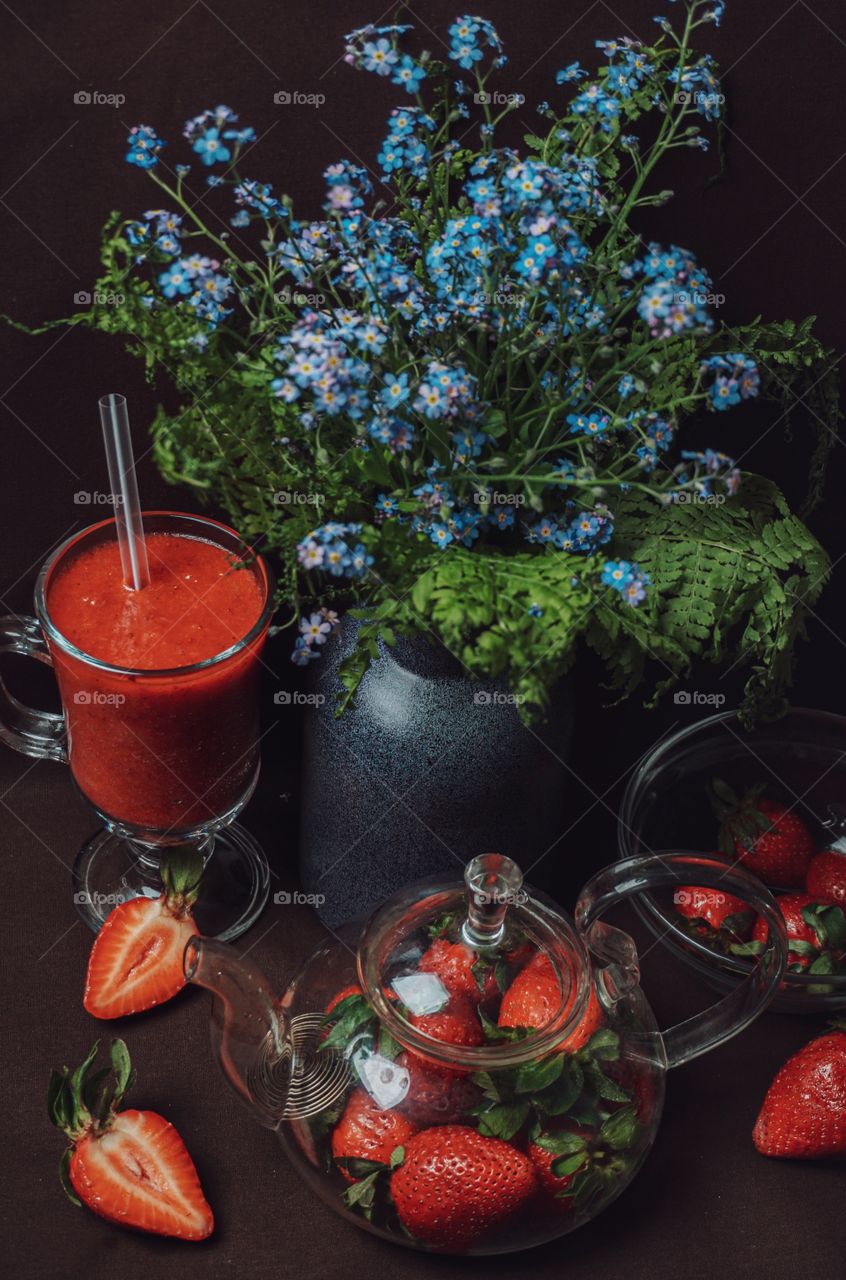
pixel 171 749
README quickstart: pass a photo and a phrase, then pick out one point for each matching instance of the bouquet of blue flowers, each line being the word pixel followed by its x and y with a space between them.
pixel 455 401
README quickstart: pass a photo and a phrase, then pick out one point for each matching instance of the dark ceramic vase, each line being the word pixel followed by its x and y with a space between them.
pixel 427 770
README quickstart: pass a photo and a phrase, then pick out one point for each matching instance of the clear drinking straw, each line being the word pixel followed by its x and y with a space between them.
pixel 124 485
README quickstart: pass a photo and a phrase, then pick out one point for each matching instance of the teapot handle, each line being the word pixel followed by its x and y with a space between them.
pixel 752 994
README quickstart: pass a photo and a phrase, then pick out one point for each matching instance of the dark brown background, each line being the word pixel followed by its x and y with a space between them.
pixel 770 230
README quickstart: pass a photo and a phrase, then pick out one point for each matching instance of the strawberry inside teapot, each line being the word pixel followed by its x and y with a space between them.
pixel 473 1071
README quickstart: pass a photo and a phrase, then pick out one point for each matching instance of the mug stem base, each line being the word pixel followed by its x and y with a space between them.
pixel 110 868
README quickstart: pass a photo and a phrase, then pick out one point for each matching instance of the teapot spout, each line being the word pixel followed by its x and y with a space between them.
pixel 250 1033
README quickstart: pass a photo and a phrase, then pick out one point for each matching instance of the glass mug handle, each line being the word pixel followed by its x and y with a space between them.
pixel 32 732
pixel 752 994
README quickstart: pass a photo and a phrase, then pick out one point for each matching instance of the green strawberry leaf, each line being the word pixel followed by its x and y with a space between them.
pixel 489 1086
pixel 501 975
pixel 738 922
pixel 388 1046
pixel 534 1077
pixel 97 1100
pixel 358 1167
pixel 621 1129
pixel 397 1157
pixel 480 970
pixel 494 1032
pixel 561 1144
pixel 441 925
pixel 557 1100
pixel 503 1121
pixel 351 1020
pixel 603 1086
pixel 604 1044
pixel 585 1112
pixel 64 1178
pixel 344 1007
pixel 586 1184
pixel 58 1100
pixel 724 794
pixel 833 923
pixel 801 948
pixel 181 872
pixel 747 948
pixel 565 1165
pixel 122 1068
pixel 362 1195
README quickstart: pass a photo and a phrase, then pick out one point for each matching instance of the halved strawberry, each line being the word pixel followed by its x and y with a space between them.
pixel 136 960
pixel 130 1167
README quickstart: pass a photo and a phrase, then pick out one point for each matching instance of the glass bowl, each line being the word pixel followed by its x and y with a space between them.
pixel 801 762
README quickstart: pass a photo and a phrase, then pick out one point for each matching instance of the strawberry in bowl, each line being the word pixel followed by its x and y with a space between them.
pixel 717 917
pixel 816 933
pixel 768 838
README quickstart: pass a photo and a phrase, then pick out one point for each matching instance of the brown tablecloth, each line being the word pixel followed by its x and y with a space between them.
pixel 705 1204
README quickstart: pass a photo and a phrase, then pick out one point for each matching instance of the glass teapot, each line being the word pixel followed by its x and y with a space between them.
pixel 474 1071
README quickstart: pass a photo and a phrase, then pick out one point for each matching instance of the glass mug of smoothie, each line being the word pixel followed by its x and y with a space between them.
pixel 160 697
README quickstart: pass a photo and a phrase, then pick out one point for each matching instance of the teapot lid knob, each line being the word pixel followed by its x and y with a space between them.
pixel 494 883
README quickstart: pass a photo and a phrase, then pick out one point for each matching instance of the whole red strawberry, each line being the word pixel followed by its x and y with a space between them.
pixel 770 839
pixel 460 970
pixel 454 1187
pixel 825 879
pixel 534 998
pixel 456 1024
pixel 718 916
pixel 435 1095
pixel 354 990
pixel 546 1152
pixel 130 1167
pixel 365 1132
pixel 810 931
pixel 804 1112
